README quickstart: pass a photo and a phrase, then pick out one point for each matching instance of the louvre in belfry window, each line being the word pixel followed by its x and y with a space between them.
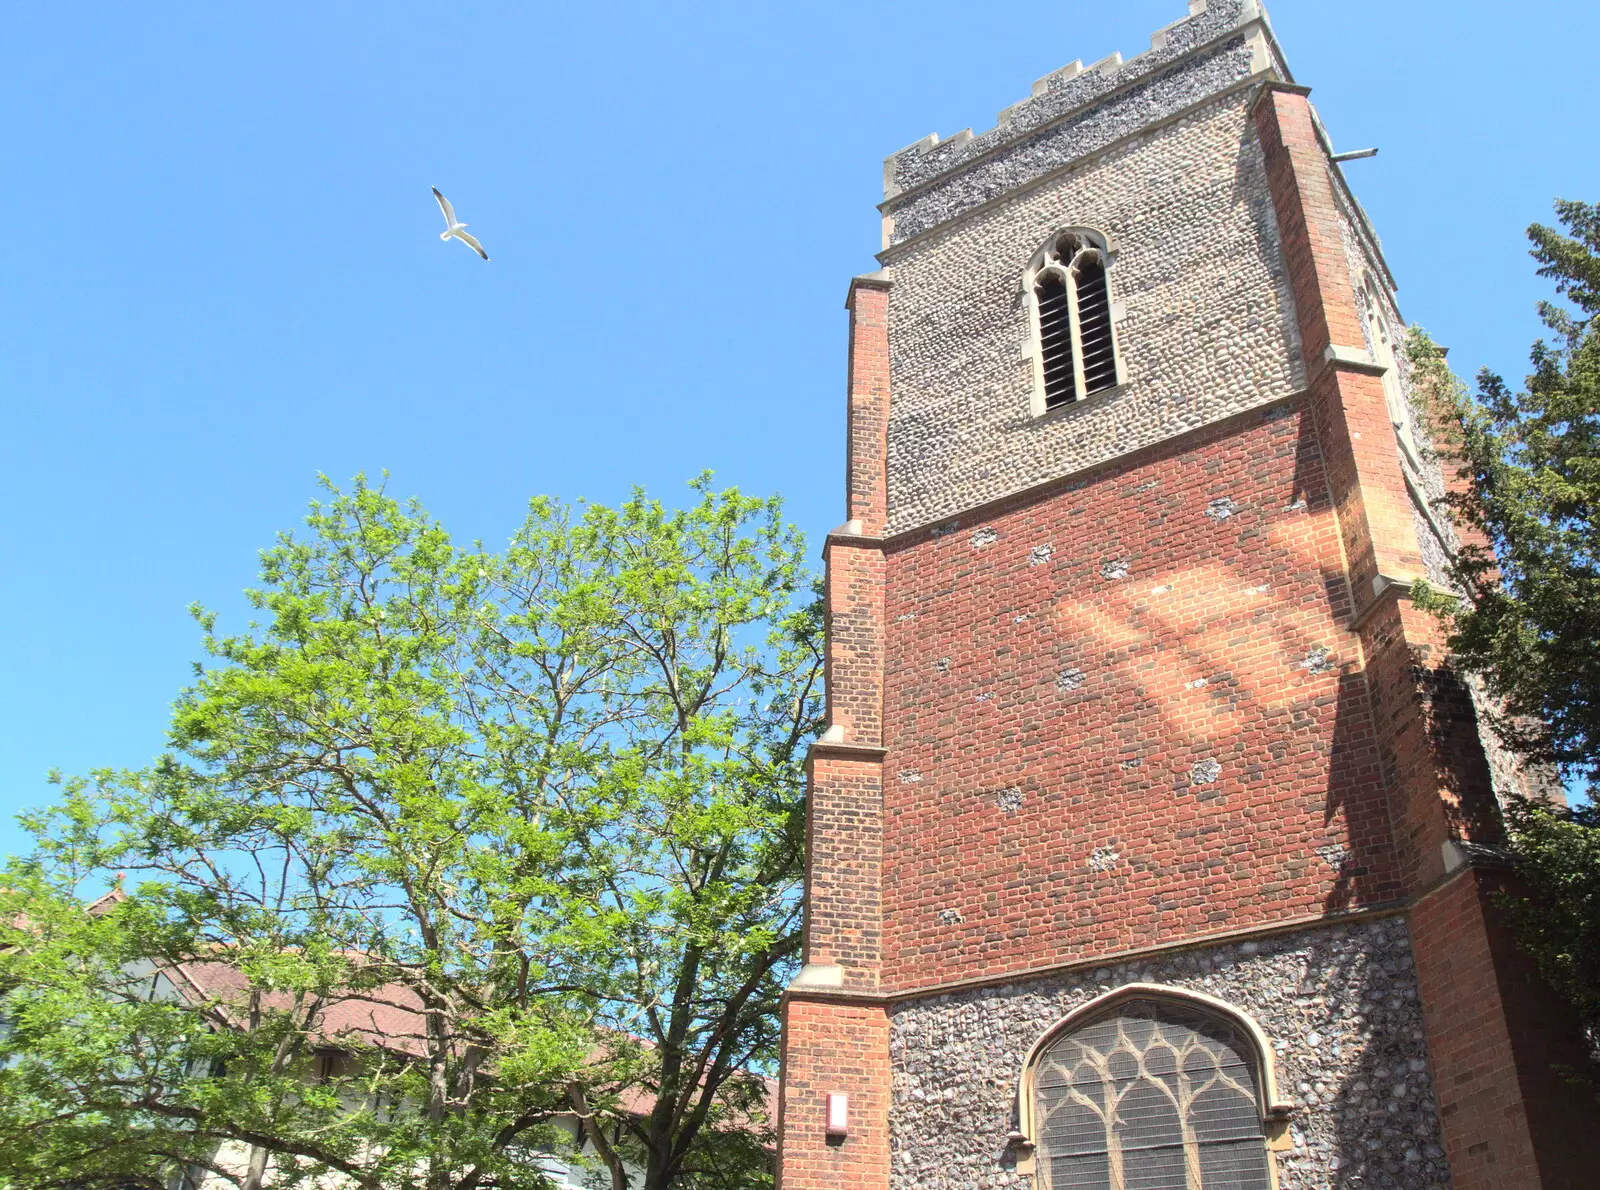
pixel 1076 351
pixel 1151 1096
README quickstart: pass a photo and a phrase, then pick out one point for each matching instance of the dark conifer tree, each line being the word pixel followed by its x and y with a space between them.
pixel 1527 620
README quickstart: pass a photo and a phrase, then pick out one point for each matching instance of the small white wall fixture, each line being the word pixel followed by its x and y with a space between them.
pixel 838 1114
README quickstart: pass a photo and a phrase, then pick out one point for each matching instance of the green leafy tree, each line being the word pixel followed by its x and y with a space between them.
pixel 1524 615
pixel 1556 910
pixel 1529 621
pixel 451 847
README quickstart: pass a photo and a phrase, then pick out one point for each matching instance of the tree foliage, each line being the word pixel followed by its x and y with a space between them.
pixel 450 845
pixel 1529 622
pixel 1525 612
pixel 1556 909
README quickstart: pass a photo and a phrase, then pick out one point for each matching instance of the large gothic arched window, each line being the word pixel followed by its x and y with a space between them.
pixel 1149 1094
pixel 1076 350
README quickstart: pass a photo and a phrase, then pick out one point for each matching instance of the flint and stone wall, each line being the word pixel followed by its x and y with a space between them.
pixel 1339 1004
pixel 1205 320
pixel 1076 110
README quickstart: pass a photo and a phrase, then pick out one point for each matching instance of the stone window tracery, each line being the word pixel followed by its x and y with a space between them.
pixel 1150 1094
pixel 1075 352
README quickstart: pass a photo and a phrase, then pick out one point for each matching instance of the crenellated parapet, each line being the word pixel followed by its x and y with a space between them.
pixel 1077 111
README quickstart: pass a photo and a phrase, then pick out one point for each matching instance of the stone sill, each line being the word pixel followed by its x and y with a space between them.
pixel 1062 411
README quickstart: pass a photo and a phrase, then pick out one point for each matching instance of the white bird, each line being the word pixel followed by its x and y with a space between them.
pixel 458 230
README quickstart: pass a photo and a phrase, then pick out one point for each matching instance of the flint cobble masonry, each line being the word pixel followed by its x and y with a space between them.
pixel 1070 91
pixel 1206 327
pixel 1339 1004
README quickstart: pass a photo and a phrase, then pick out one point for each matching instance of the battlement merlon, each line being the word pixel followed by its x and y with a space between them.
pixel 1220 45
pixel 1063 92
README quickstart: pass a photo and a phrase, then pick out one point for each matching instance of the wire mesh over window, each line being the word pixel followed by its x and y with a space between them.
pixel 1153 1096
pixel 1077 349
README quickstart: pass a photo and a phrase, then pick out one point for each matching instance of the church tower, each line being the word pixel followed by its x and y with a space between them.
pixel 1152 840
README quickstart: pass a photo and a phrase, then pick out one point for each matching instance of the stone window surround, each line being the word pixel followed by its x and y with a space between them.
pixel 1099 242
pixel 1381 347
pixel 1274 1109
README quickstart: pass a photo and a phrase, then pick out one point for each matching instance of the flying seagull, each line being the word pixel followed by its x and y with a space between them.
pixel 459 230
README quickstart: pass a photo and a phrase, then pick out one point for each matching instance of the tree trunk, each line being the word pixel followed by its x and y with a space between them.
pixel 257 1171
pixel 597 1137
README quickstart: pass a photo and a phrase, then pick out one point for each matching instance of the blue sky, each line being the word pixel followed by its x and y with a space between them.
pixel 223 274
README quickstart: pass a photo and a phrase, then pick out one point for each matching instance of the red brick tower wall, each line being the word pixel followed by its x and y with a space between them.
pixel 1127 713
pixel 835 1034
pixel 1496 1036
pixel 1134 692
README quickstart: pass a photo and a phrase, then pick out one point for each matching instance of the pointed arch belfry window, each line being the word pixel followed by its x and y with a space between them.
pixel 1151 1089
pixel 1069 288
